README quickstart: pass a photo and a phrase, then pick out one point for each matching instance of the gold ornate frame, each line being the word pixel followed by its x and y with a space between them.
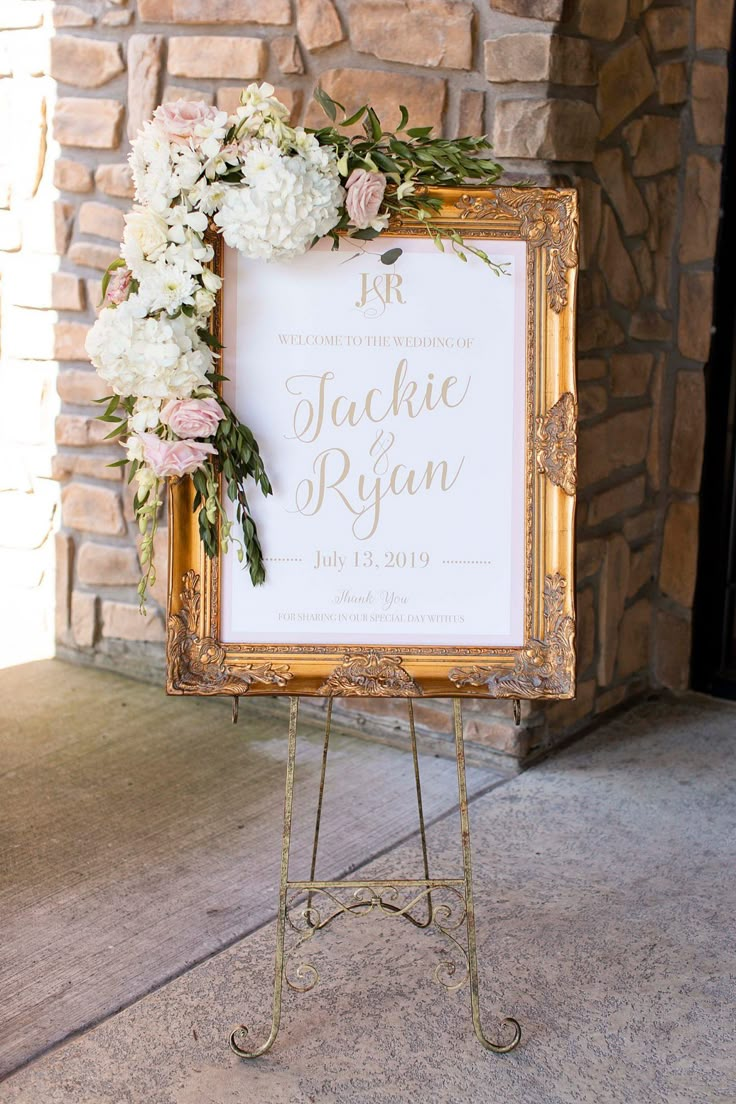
pixel 199 662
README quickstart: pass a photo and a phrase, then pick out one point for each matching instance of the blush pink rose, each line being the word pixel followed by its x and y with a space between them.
pixel 180 118
pixel 365 196
pixel 192 417
pixel 174 457
pixel 118 287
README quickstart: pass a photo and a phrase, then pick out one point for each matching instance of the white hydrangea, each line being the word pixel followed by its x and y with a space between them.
pixel 148 357
pixel 285 204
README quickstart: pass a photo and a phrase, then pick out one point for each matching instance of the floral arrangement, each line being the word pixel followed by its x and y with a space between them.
pixel 272 191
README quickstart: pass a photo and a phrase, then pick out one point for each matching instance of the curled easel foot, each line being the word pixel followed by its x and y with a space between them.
pixel 500 1048
pixel 240 1034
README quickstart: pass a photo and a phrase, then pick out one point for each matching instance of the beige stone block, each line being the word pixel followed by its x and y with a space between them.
pixel 695 315
pixel 122 621
pixel 470 113
pixel 65 465
pixel 19 14
pixel 680 552
pixel 668 28
pixel 663 201
pixel 43 289
pixel 80 386
pixel 24 54
pixel 626 80
pixel 115 180
pixel 655 143
pixel 64 548
pixel 85 62
pixel 101 219
pixel 433 33
pixel 92 255
pixel 672 82
pixel 79 431
pixel 635 639
pixel 286 54
pixel 569 715
pixel 630 374
pixel 72 176
pixel 69 339
pixel 688 432
pixel 713 24
pixel 618 442
pixel 11 237
pixel 318 23
pixel 589 557
pixel 616 501
pixel 654 457
pixel 672 665
pixel 622 190
pixel 644 266
pixel 554 130
pixel 650 326
pixel 84 618
pixel 174 92
pixel 589 196
pixel 641 573
pixel 46 226
pixel 616 264
pixel 592 401
pixel 217 56
pixel 69 15
pixel 709 96
pixel 92 509
pixel 612 588
pixel 107 565
pixel 532 56
pixel 597 329
pixel 550 10
pixel 94 294
pixel 89 123
pixel 117 19
pixel 591 368
pixel 701 209
pixel 215 11
pixel 641 526
pixel 424 97
pixel 144 70
pixel 601 20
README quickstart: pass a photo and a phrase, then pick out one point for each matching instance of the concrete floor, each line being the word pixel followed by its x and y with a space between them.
pixel 605 899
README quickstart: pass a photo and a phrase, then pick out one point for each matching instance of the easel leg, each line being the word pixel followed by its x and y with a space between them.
pixel 242 1031
pixel 420 810
pixel 499 1048
pixel 320 800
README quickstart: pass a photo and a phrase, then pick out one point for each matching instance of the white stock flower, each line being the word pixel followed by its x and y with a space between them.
pixel 204 303
pixel 152 358
pixel 166 287
pixel 146 415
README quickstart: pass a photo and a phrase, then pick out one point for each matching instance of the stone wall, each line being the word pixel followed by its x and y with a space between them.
pixel 626 98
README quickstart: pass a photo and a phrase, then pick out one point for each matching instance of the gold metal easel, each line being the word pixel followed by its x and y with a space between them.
pixel 449 901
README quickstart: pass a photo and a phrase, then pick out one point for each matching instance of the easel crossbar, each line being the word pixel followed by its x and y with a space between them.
pixel 383 883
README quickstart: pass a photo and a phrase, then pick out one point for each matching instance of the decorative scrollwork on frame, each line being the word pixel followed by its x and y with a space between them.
pixel 370 674
pixel 198 663
pixel 556 441
pixel 543 668
pixel 545 219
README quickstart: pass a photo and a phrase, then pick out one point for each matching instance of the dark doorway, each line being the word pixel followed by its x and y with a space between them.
pixel 714 613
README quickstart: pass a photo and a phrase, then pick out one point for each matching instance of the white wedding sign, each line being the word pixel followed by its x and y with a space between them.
pixel 389 403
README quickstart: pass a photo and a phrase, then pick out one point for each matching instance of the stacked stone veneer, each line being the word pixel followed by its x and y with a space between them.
pixel 624 97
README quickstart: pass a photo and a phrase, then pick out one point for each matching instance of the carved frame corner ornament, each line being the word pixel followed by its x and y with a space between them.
pixel 370 674
pixel 544 668
pixel 546 218
pixel 197 664
pixel 556 443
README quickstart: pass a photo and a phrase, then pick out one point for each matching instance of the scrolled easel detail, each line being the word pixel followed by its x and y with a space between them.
pixel 544 668
pixel 544 220
pixel 556 442
pixel 197 664
pixel 370 674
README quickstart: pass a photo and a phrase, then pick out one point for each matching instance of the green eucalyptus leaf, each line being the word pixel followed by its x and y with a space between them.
pixel 391 256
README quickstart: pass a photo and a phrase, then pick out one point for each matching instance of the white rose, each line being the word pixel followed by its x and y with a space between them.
pixel 145 238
